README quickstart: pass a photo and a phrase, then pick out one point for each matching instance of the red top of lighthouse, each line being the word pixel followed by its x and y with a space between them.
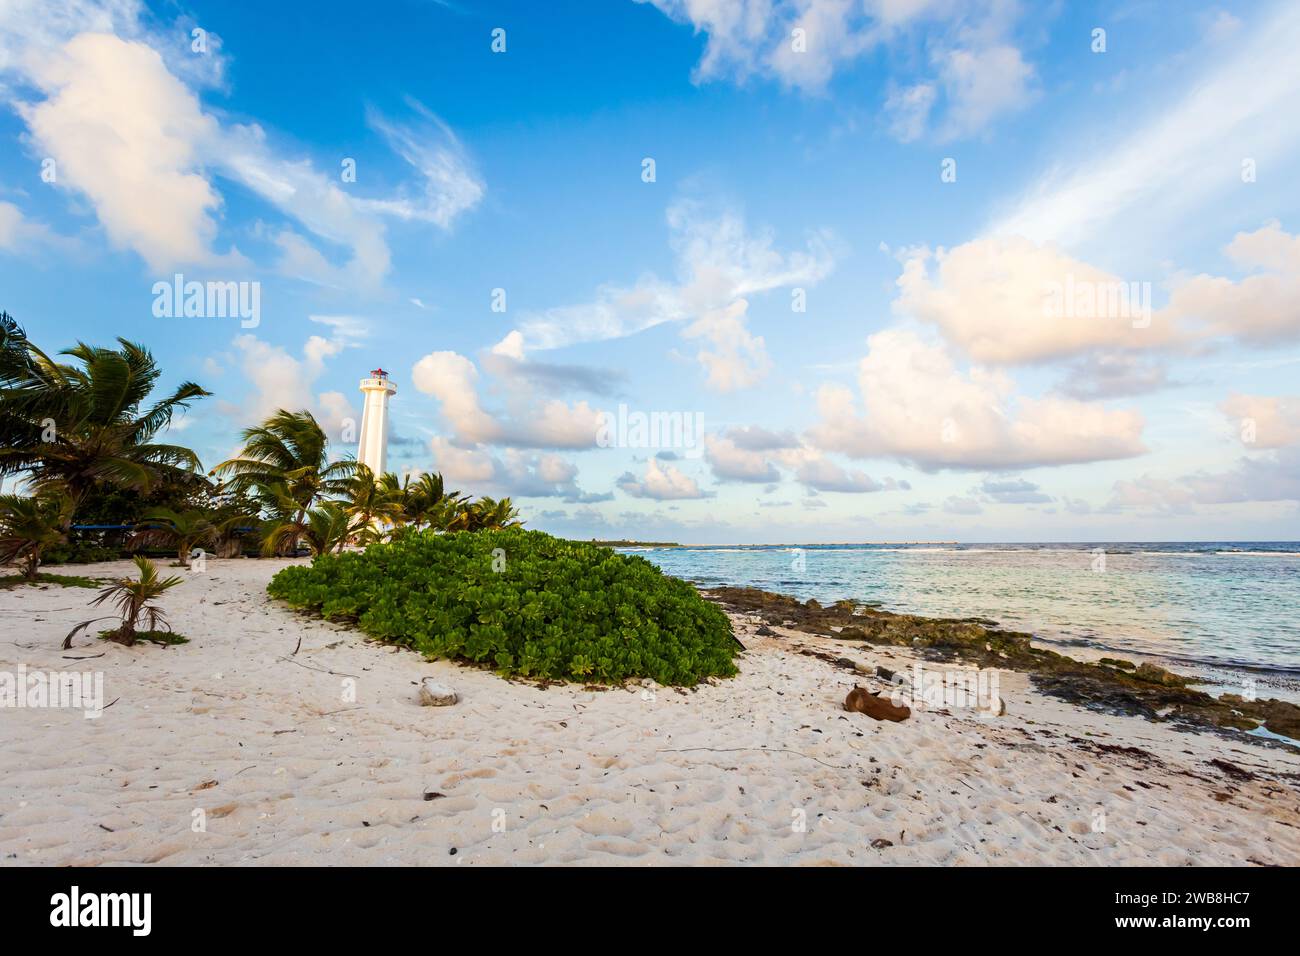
pixel 378 373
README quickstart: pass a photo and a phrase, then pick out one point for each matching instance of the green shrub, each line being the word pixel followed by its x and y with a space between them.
pixel 63 580
pixel 522 602
pixel 79 553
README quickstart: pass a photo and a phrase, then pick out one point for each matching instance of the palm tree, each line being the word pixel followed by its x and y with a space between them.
pixel 18 373
pixel 449 514
pixel 284 465
pixel 183 530
pixel 325 529
pixel 233 516
pixel 486 514
pixel 134 599
pixel 29 526
pixel 431 504
pixel 493 514
pixel 402 492
pixel 369 502
pixel 71 426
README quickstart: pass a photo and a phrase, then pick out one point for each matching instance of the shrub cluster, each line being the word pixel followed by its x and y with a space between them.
pixel 523 602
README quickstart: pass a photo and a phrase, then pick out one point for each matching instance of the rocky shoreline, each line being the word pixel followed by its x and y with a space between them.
pixel 1110 685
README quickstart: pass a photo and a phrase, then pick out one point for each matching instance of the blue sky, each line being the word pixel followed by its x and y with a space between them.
pixel 928 390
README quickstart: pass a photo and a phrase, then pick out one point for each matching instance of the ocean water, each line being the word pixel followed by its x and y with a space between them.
pixel 1229 611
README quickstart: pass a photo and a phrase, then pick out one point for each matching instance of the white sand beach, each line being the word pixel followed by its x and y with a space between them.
pixel 766 768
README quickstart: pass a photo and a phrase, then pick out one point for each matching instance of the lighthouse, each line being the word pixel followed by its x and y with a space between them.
pixel 372 450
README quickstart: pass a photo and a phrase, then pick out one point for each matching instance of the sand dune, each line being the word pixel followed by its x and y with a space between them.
pixel 326 757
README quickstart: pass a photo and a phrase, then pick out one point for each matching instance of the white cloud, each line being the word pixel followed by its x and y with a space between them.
pixel 1259 309
pixel 11 225
pixel 1185 153
pixel 719 263
pixel 909 111
pixel 920 407
pixel 614 313
pixel 130 136
pixel 973 64
pixel 733 463
pixel 752 455
pixel 452 379
pixel 1269 426
pixel 661 482
pixel 822 474
pixel 1265 421
pixel 117 114
pixel 451 184
pixel 32 30
pixel 1265 478
pixel 1009 300
pixel 20 234
pixel 962 506
pixel 278 379
pixel 982 83
pixel 1106 375
pixel 1012 491
pixel 734 358
pixel 755 438
pixel 513 472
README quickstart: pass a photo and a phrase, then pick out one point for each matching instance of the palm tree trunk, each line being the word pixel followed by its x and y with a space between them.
pixel 124 635
pixel 292 544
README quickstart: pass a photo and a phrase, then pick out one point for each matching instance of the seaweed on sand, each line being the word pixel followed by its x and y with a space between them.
pixel 1112 685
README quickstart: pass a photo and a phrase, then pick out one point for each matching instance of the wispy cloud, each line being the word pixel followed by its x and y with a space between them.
pixel 109 101
pixel 1184 153
pixel 720 263
pixel 974 72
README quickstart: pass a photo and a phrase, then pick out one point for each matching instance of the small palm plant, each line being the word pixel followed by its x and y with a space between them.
pixel 30 526
pixel 135 599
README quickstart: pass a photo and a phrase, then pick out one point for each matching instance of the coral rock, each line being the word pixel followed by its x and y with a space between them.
pixel 433 694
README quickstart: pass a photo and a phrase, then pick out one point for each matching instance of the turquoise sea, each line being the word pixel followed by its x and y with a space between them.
pixel 1227 610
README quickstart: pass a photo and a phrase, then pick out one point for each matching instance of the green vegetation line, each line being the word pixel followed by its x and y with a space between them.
pixel 523 602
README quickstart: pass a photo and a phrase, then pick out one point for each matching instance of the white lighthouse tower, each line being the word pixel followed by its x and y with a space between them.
pixel 372 450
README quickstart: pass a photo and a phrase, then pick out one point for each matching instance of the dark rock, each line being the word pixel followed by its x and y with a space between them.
pixel 1232 770
pixel 1158 675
